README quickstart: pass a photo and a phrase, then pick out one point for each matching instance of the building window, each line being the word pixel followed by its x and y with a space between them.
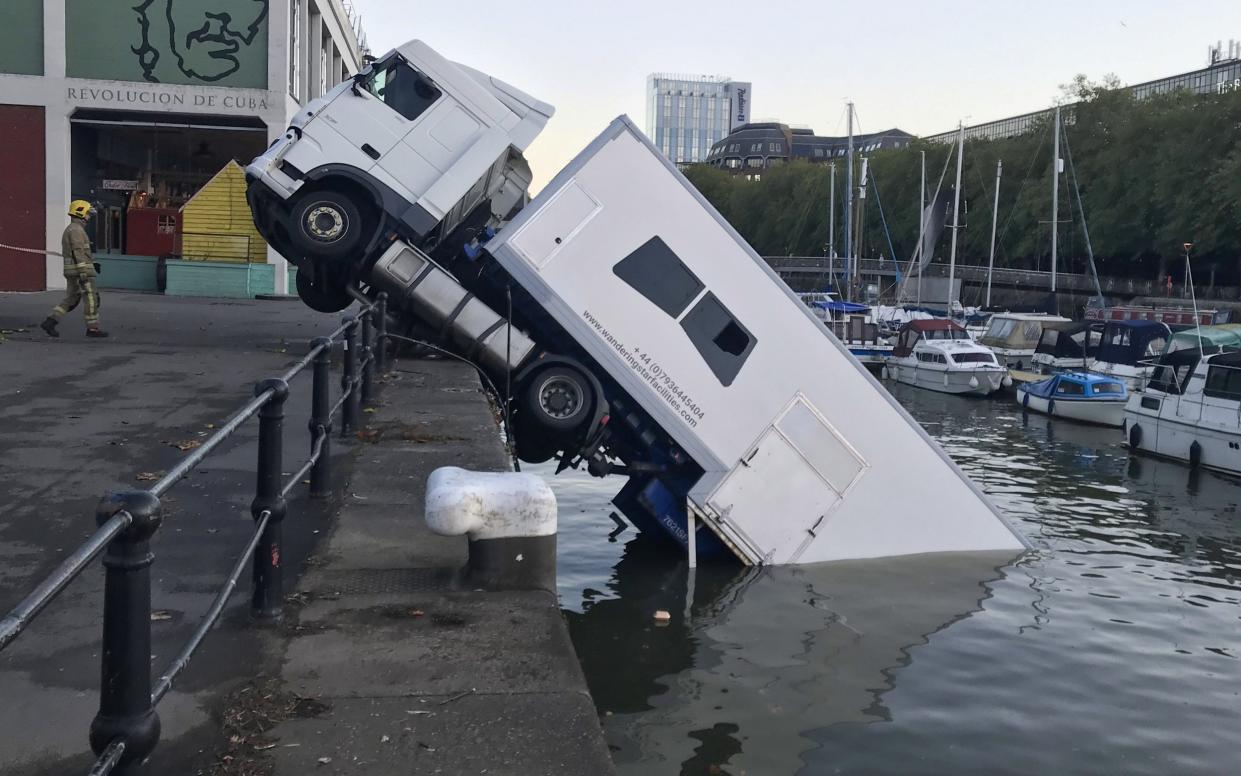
pixel 295 49
pixel 754 162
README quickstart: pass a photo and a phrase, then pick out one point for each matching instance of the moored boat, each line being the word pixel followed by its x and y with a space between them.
pixel 1190 410
pixel 1128 351
pixel 1079 396
pixel 940 356
pixel 1014 336
pixel 1067 350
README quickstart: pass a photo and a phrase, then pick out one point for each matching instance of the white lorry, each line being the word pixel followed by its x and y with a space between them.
pixel 642 336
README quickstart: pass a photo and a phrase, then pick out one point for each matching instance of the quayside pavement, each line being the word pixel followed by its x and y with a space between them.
pixel 381 664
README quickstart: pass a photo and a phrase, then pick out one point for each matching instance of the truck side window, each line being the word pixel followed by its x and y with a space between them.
pixel 654 271
pixel 723 342
pixel 403 88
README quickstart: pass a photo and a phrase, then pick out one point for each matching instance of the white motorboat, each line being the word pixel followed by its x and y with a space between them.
pixel 1190 410
pixel 1129 349
pixel 940 356
pixel 1067 350
pixel 1013 337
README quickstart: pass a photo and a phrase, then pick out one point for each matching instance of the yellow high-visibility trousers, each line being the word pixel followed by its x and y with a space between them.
pixel 79 289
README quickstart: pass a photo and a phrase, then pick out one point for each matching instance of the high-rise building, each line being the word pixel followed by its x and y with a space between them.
pixel 687 114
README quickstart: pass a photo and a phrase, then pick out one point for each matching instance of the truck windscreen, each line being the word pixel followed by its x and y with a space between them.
pixel 403 88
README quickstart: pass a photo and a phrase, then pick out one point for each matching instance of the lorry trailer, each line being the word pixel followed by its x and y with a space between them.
pixel 635 333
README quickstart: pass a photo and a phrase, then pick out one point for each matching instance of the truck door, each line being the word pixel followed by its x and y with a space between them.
pixel 369 116
pixel 799 466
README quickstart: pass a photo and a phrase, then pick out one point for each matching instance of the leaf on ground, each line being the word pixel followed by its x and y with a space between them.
pixel 160 614
pixel 370 410
pixel 188 444
pixel 147 476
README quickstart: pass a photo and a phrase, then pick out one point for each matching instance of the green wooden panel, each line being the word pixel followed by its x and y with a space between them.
pixel 21 37
pixel 219 279
pixel 198 42
pixel 136 273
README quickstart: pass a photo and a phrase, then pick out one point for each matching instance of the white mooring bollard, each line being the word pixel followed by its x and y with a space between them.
pixel 510 519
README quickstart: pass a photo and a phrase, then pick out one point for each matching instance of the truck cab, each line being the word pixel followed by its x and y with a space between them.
pixel 414 146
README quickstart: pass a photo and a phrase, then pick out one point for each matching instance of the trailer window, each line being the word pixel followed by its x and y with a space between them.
pixel 723 342
pixel 403 88
pixel 654 271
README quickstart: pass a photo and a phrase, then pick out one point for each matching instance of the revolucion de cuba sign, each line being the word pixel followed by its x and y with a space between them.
pixel 188 42
pixel 155 97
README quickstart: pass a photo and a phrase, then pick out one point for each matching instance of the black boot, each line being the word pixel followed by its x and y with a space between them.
pixel 95 331
pixel 49 326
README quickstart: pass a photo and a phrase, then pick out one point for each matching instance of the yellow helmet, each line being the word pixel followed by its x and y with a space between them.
pixel 79 208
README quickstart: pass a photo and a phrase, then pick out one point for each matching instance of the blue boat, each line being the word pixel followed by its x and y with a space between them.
pixel 1080 396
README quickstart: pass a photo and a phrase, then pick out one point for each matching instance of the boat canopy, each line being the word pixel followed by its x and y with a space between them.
pixel 1172 371
pixel 1079 341
pixel 1128 342
pixel 1020 331
pixel 1208 339
pixel 1079 385
pixel 838 307
pixel 929 329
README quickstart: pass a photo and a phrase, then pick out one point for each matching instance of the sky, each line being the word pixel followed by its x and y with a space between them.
pixel 920 66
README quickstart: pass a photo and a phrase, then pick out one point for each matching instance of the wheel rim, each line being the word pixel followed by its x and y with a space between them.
pixel 560 397
pixel 325 223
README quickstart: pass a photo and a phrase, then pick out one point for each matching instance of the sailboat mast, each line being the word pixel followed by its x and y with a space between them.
pixel 995 214
pixel 849 205
pixel 1055 201
pixel 956 215
pixel 832 214
pixel 922 219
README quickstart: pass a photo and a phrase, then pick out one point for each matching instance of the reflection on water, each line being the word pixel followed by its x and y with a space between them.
pixel 1114 647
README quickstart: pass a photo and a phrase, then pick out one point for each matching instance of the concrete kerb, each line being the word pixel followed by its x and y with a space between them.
pixel 409 662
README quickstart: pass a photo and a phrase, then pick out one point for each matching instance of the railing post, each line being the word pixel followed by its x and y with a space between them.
pixel 368 358
pixel 268 596
pixel 125 709
pixel 320 420
pixel 380 311
pixel 349 380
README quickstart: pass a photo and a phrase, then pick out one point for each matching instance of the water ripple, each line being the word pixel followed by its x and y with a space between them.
pixel 1111 647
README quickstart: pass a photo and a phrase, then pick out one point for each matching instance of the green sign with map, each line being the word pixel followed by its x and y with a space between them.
pixel 197 42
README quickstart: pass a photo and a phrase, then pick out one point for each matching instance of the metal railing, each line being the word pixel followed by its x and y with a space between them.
pixel 126 729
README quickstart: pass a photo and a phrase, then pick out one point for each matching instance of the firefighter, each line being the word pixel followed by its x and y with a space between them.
pixel 79 273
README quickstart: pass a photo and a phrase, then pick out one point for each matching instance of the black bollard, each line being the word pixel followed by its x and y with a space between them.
pixel 381 332
pixel 368 360
pixel 320 418
pixel 349 383
pixel 125 710
pixel 268 596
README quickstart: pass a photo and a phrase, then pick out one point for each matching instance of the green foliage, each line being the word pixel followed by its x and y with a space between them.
pixel 1154 174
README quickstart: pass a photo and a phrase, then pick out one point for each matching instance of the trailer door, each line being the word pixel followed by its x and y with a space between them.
pixel 799 466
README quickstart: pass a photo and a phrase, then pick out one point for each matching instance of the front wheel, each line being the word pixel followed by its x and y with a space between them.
pixel 326 225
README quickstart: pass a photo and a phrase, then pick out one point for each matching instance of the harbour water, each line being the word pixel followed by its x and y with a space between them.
pixel 1113 647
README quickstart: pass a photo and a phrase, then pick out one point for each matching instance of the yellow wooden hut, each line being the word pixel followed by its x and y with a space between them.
pixel 216 224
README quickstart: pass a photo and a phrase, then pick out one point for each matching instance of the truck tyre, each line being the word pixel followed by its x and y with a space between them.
pixel 558 399
pixel 323 296
pixel 326 225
